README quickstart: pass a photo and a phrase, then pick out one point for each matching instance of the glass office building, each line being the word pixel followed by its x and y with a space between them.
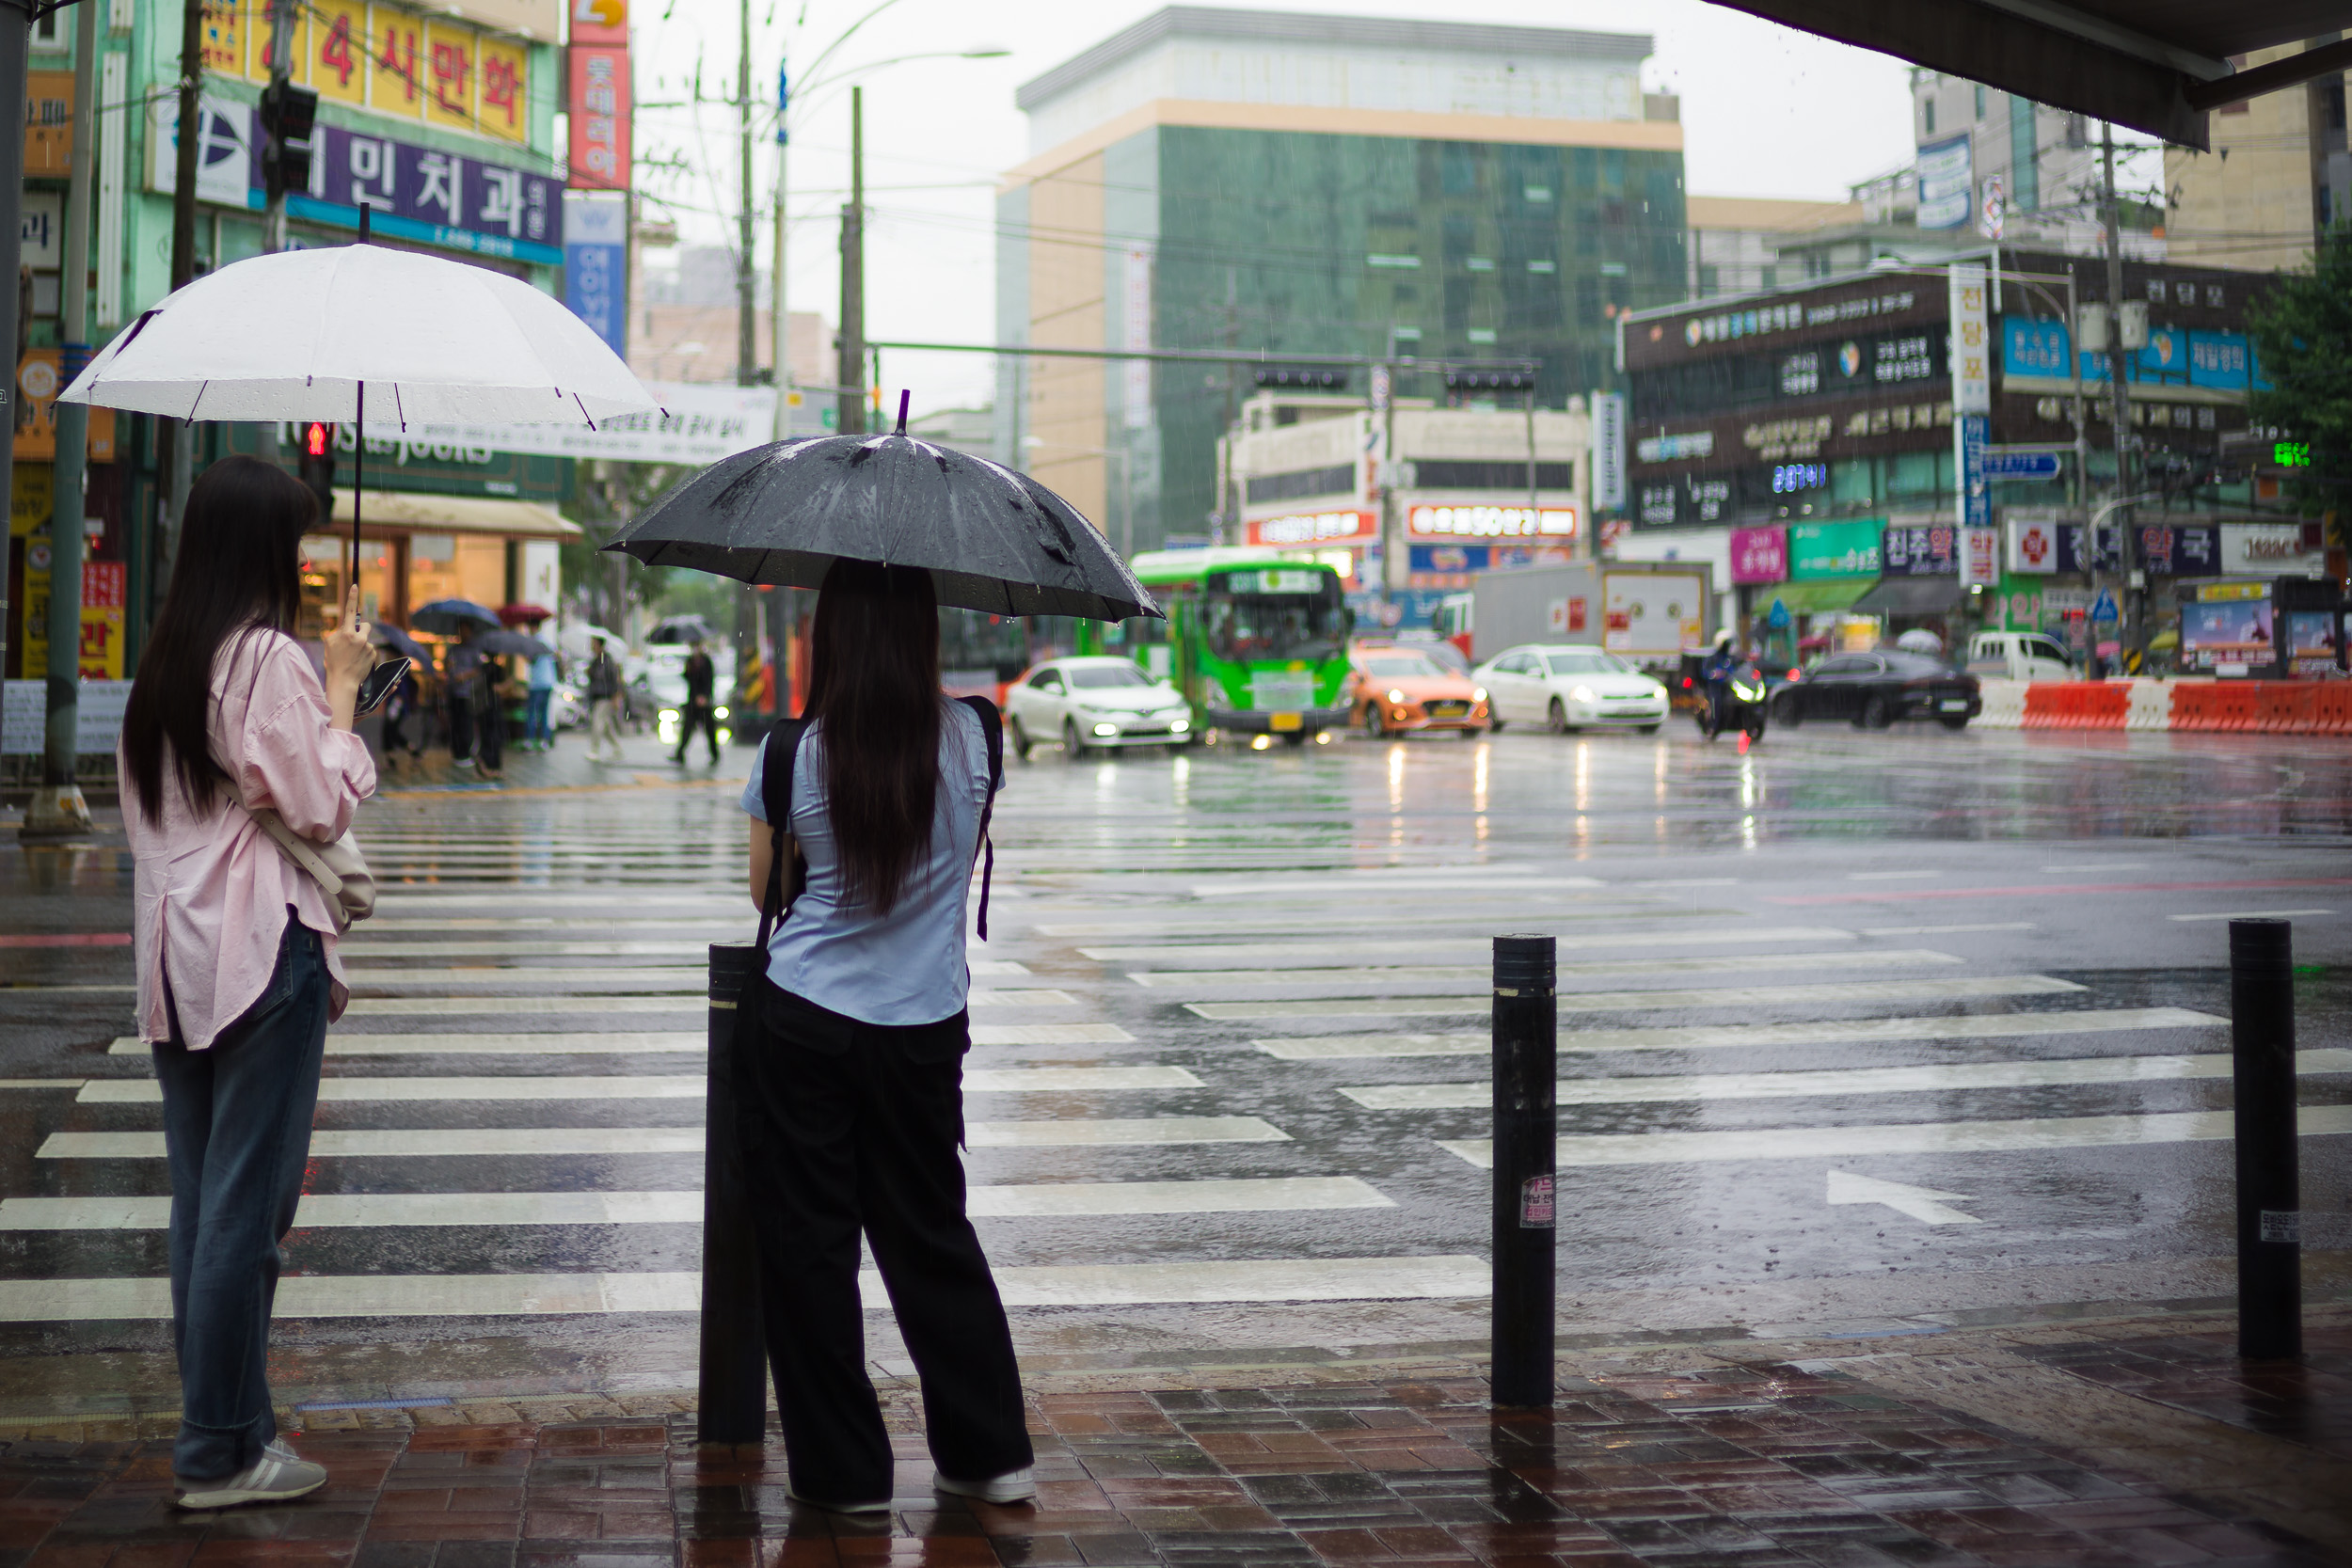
pixel 1392 221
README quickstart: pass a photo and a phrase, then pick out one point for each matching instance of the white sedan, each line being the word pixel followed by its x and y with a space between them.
pixel 1089 702
pixel 1570 686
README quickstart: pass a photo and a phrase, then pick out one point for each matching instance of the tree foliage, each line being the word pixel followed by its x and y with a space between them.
pixel 2302 334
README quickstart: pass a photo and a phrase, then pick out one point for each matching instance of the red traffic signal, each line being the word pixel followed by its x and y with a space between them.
pixel 317 437
pixel 318 464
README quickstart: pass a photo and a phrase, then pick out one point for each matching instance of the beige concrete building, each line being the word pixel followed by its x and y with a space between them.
pixel 1735 239
pixel 2276 178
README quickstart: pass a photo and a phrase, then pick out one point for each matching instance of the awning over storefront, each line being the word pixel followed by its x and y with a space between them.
pixel 1908 596
pixel 2156 66
pixel 414 511
pixel 1815 597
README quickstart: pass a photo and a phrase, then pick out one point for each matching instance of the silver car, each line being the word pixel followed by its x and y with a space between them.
pixel 1086 702
pixel 1569 687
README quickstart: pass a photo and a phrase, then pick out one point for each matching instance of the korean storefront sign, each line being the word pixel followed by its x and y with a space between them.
pixel 1760 554
pixel 437 68
pixel 103 585
pixel 418 193
pixel 1609 451
pixel 1972 343
pixel 2039 545
pixel 1946 186
pixel 1313 528
pixel 1979 555
pixel 595 243
pixel 2273 549
pixel 600 120
pixel 2181 550
pixel 48 125
pixel 693 423
pixel 1491 522
pixel 2222 360
pixel 1919 550
pixel 1842 549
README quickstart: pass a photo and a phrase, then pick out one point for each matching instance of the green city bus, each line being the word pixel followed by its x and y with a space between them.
pixel 1255 638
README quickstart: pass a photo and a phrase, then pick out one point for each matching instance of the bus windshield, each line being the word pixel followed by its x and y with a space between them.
pixel 1286 614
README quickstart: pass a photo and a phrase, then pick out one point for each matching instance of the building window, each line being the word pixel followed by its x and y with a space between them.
pixel 1981 105
pixel 1711 280
pixel 1929 109
pixel 2024 154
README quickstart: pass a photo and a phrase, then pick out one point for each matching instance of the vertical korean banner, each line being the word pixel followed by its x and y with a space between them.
pixel 1608 451
pixel 595 237
pixel 1972 405
pixel 600 96
pixel 1135 330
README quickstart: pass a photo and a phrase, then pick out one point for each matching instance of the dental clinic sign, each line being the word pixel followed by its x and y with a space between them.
pixel 424 194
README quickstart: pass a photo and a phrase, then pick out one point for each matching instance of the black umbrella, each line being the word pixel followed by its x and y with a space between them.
pixel 401 643
pixel 448 617
pixel 499 644
pixel 681 628
pixel 993 539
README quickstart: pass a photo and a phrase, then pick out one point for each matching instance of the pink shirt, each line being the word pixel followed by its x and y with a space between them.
pixel 213 889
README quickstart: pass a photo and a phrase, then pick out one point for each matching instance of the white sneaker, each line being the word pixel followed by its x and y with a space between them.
pixel 1013 1486
pixel 278 1476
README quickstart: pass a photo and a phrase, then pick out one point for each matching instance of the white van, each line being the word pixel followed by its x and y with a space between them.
pixel 2019 656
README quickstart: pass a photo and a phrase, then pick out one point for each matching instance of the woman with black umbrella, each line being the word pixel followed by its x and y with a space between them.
pixel 850 1096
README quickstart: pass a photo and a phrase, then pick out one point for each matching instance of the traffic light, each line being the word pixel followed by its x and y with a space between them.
pixel 318 464
pixel 287 114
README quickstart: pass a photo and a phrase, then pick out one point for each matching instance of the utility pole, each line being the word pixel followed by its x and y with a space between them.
pixel 779 327
pixel 2120 404
pixel 850 372
pixel 57 809
pixel 746 272
pixel 16 26
pixel 175 442
pixel 281 27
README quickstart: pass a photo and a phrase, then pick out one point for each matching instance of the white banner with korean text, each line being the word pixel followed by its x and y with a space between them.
pixel 696 422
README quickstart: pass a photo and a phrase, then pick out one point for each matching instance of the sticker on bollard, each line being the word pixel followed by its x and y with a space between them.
pixel 2280 1224
pixel 1536 1206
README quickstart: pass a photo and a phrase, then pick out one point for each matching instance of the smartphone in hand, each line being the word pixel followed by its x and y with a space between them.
pixel 379 684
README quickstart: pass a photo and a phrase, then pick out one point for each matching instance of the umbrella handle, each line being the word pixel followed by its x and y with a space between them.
pixel 358 466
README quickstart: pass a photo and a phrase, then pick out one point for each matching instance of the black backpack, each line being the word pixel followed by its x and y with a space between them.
pixel 775 792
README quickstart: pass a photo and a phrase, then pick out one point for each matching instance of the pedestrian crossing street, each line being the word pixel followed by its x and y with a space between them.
pixel 1155 1056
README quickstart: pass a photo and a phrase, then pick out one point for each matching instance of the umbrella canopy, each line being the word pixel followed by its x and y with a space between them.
pixel 448 617
pixel 296 335
pixel 993 539
pixel 391 637
pixel 1918 639
pixel 524 614
pixel 681 629
pixel 582 639
pixel 502 643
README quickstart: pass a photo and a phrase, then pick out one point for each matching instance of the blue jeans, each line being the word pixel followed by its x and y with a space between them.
pixel 535 726
pixel 237 1132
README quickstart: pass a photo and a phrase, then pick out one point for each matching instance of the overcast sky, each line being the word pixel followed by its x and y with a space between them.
pixel 1765 111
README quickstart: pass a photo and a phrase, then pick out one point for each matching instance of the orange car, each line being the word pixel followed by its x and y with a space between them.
pixel 1398 690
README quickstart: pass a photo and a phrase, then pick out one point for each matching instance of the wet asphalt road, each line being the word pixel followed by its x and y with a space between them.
pixel 1864 1032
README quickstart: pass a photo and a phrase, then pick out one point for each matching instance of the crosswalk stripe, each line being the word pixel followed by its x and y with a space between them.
pixel 1927 1138
pixel 40 1083
pixel 1419 915
pixel 1850 1031
pixel 1642 1001
pixel 1040 1201
pixel 470 1142
pixel 434 1295
pixel 683 1000
pixel 1930 1077
pixel 1735 963
pixel 679 980
pixel 687 953
pixel 630 1042
pixel 1178 953
pixel 718 927
pixel 1346 883
pixel 1035 1080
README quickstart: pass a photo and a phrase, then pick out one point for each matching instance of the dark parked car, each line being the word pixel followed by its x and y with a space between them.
pixel 1874 690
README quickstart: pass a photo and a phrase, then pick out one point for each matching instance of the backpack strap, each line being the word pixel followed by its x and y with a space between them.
pixel 992 728
pixel 775 794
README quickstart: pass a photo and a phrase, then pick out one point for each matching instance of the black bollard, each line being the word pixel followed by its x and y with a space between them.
pixel 2269 1210
pixel 1527 1131
pixel 731 1396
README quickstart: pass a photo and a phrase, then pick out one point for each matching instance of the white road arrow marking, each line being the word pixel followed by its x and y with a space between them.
pixel 1921 1203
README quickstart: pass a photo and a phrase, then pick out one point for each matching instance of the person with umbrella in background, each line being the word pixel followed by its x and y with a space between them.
pixel 846 1063
pixel 700 708
pixel 538 733
pixel 463 668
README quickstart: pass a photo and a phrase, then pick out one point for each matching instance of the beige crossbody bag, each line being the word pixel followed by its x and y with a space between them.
pixel 339 868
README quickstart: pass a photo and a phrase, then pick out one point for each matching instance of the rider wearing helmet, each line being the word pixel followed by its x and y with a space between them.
pixel 1717 670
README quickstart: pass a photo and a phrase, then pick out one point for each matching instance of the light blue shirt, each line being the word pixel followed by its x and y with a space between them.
pixel 543 673
pixel 907 966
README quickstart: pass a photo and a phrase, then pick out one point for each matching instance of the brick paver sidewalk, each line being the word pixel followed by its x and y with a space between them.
pixel 1681 1457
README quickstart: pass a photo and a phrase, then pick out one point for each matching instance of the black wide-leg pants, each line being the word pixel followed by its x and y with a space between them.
pixel 848 1127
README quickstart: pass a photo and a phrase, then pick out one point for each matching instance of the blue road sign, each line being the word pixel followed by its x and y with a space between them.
pixel 2021 464
pixel 2102 608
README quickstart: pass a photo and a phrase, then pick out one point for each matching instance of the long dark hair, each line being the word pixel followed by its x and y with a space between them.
pixel 873 682
pixel 239 565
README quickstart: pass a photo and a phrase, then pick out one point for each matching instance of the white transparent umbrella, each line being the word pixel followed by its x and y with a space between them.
pixel 310 334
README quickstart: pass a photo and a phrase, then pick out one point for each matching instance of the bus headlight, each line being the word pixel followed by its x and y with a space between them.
pixel 1106 729
pixel 1323 738
pixel 1260 742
